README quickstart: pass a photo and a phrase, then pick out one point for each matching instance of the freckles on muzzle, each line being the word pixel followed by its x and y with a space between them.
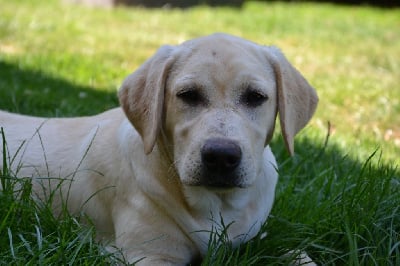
pixel 220 159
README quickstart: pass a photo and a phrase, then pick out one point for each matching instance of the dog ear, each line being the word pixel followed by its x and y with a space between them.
pixel 297 100
pixel 142 96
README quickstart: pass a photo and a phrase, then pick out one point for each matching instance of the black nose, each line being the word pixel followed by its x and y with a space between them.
pixel 221 155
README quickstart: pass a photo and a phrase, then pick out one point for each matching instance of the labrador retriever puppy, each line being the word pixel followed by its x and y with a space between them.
pixel 188 149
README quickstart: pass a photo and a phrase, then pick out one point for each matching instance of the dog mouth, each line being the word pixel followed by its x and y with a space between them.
pixel 217 183
pixel 222 182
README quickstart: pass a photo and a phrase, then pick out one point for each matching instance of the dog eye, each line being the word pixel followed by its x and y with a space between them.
pixel 253 98
pixel 191 97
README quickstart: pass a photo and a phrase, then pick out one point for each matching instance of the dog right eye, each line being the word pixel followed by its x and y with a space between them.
pixel 191 97
pixel 254 98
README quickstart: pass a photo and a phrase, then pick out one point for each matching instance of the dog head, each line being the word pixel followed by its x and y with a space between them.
pixel 213 102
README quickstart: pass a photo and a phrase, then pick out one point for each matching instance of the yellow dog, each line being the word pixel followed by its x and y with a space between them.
pixel 188 146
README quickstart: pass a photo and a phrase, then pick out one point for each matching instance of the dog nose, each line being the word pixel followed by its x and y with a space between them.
pixel 221 155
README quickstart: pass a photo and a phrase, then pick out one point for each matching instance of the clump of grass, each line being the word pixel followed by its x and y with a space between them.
pixel 348 211
pixel 30 234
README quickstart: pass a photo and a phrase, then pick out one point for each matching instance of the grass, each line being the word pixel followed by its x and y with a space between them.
pixel 338 200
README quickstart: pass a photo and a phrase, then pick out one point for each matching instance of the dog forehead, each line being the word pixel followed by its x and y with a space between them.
pixel 221 57
pixel 221 45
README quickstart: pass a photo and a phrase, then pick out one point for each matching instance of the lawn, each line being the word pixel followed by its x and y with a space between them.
pixel 338 198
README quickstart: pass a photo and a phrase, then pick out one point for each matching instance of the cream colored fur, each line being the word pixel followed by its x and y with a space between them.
pixel 135 170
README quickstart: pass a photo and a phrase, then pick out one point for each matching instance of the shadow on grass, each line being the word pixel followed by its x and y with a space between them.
pixel 33 92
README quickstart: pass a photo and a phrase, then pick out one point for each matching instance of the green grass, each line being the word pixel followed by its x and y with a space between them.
pixel 334 200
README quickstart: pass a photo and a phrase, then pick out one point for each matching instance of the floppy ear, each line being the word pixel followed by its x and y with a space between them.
pixel 297 100
pixel 142 96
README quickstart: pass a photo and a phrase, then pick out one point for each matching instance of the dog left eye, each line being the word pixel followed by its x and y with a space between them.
pixel 191 97
pixel 253 98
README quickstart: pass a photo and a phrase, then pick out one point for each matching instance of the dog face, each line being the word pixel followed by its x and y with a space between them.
pixel 220 109
pixel 212 102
